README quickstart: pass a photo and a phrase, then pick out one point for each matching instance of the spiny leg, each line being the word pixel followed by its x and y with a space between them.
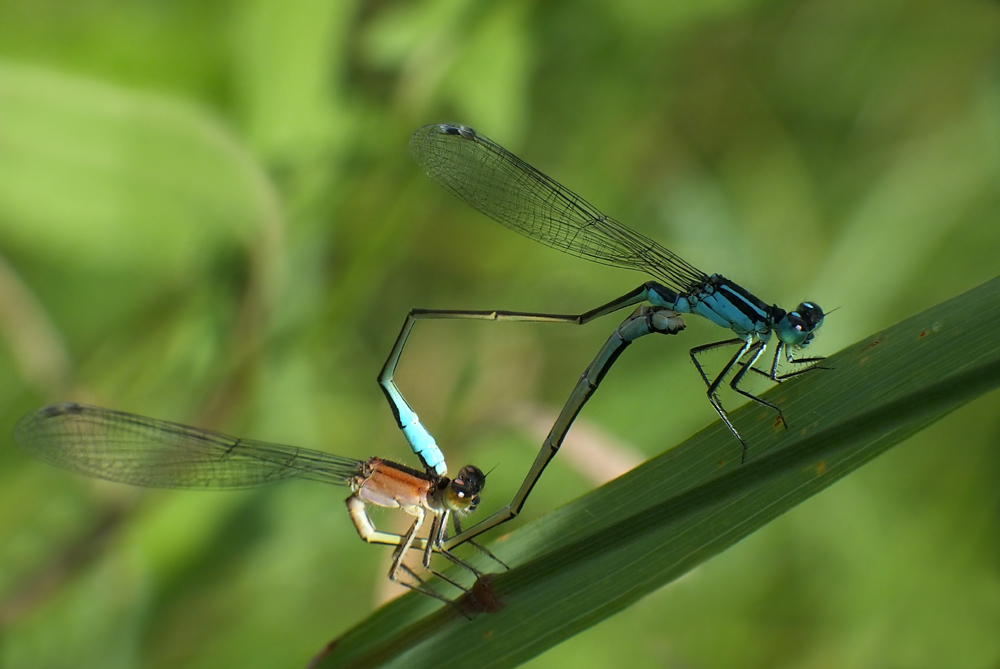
pixel 755 352
pixel 698 350
pixel 416 577
pixel 434 541
pixel 367 531
pixel 753 349
pixel 713 385
pixel 794 361
pixel 397 562
pixel 749 365
pixel 403 543
pixel 734 384
pixel 778 378
pixel 438 534
pixel 800 372
pixel 478 546
pixel 813 362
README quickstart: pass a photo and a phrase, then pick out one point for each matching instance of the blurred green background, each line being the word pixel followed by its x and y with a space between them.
pixel 208 214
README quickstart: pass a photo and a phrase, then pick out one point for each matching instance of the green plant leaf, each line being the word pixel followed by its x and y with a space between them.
pixel 604 551
pixel 98 176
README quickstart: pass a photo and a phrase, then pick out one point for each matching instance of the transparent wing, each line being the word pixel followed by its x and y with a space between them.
pixel 512 192
pixel 142 451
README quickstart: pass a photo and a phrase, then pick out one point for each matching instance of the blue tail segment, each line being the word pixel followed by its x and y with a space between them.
pixel 421 441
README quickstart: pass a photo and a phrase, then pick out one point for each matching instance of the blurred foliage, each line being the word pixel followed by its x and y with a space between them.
pixel 208 214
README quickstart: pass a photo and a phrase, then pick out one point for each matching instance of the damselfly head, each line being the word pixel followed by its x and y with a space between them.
pixel 463 491
pixel 797 328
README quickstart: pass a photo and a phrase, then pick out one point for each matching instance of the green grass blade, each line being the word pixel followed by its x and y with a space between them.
pixel 602 552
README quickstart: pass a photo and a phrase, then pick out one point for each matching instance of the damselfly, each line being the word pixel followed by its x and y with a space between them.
pixel 141 451
pixel 512 192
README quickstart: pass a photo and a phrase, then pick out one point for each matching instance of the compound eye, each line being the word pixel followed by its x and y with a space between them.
pixel 796 322
pixel 810 314
pixel 469 483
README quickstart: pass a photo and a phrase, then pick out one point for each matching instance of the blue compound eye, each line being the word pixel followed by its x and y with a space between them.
pixel 810 314
pixel 798 327
pixel 797 323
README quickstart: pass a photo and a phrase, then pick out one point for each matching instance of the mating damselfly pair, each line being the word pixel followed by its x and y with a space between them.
pixel 143 451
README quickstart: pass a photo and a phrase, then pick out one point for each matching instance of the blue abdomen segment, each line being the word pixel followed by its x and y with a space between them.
pixel 721 302
pixel 420 439
pixel 720 307
pixel 425 447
